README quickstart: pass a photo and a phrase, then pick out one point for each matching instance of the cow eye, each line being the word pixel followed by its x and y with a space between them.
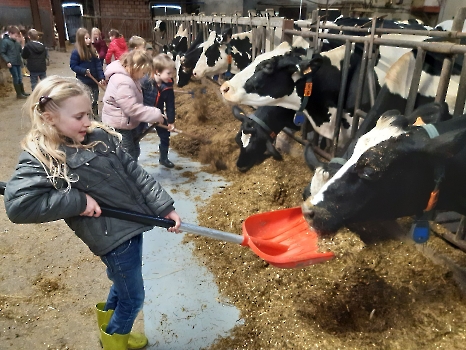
pixel 367 173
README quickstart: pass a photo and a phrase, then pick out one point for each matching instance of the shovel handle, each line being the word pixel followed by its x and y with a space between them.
pixel 152 220
pixel 97 82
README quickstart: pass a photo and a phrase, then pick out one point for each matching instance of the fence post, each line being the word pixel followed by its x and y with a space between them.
pixel 287 24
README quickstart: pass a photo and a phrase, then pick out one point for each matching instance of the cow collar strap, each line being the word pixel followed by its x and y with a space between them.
pixel 229 60
pixel 420 229
pixel 271 133
pixel 299 116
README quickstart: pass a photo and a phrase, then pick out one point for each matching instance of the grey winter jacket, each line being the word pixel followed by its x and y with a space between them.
pixel 107 173
pixel 11 51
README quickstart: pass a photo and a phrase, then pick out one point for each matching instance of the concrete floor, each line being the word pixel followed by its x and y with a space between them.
pixel 182 309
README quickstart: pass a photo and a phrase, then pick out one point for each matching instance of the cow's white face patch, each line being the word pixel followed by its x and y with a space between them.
pixel 382 132
pixel 319 179
pixel 245 139
pixel 236 92
pixel 177 67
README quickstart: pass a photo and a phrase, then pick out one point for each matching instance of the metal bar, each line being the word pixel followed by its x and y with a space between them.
pixel 461 94
pixel 290 133
pixel 341 96
pixel 410 103
pixel 358 98
pixel 444 80
pixel 439 47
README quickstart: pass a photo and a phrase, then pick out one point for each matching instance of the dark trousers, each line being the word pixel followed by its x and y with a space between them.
pixel 34 78
pixel 164 136
pixel 15 71
pixel 129 144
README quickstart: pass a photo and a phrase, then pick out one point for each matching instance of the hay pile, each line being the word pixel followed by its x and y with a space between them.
pixel 378 296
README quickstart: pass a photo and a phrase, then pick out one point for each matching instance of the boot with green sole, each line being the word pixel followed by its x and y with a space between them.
pixel 135 341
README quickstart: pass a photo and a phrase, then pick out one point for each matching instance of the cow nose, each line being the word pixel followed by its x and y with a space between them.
pixel 224 88
pixel 194 74
pixel 310 214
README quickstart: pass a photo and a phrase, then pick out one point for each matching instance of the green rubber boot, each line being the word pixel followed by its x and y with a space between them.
pixel 136 340
pixel 114 341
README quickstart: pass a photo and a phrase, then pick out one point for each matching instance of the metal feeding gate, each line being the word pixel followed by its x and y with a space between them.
pixel 270 31
pixel 450 47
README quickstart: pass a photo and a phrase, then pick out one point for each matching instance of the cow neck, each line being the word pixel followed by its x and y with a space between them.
pixel 420 230
pixel 264 126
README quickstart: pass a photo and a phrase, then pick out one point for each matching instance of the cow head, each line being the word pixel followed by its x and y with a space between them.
pixel 160 27
pixel 271 78
pixel 434 112
pixel 214 57
pixel 390 174
pixel 253 139
pixel 185 62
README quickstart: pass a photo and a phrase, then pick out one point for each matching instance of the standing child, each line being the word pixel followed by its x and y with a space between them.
pixel 11 53
pixel 158 91
pixel 123 102
pixel 86 64
pixel 136 43
pixel 36 55
pixel 99 43
pixel 117 46
pixel 69 166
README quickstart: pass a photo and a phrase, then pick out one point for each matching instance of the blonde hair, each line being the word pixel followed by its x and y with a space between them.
pixel 135 61
pixel 85 52
pixel 136 42
pixel 44 141
pixel 97 31
pixel 33 34
pixel 161 62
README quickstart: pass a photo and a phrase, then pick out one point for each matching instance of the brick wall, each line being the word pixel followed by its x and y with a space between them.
pixel 124 8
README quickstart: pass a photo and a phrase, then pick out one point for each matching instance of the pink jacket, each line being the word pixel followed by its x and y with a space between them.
pixel 123 103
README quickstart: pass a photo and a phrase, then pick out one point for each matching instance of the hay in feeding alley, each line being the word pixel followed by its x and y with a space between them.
pixel 379 296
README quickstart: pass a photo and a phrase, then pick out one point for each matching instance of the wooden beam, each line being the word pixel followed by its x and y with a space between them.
pixel 36 23
pixel 60 23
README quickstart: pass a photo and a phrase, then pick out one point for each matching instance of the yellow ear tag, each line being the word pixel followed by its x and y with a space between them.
pixel 308 89
pixel 419 122
pixel 308 70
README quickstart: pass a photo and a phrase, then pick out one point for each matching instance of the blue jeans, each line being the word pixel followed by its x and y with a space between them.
pixel 34 76
pixel 126 296
pixel 15 71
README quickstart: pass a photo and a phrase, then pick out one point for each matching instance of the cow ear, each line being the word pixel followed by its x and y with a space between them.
pixel 273 151
pixel 446 145
pixel 311 67
pixel 238 113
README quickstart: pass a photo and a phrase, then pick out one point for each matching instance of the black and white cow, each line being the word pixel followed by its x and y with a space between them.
pixel 218 49
pixel 258 133
pixel 179 43
pixel 433 112
pixel 276 78
pixel 186 62
pixel 391 174
pixel 161 28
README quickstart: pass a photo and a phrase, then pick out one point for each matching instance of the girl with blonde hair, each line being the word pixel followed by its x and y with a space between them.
pixel 99 43
pixel 123 101
pixel 70 165
pixel 85 62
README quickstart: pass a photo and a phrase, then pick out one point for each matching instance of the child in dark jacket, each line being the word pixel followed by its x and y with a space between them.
pixel 69 166
pixel 36 55
pixel 157 91
pixel 11 53
pixel 99 43
pixel 85 62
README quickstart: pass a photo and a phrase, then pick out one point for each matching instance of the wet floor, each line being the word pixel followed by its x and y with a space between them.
pixel 182 308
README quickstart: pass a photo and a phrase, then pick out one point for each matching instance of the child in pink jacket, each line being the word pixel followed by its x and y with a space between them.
pixel 123 101
pixel 117 46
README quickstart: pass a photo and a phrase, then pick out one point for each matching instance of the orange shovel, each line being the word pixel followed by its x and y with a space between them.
pixel 280 237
